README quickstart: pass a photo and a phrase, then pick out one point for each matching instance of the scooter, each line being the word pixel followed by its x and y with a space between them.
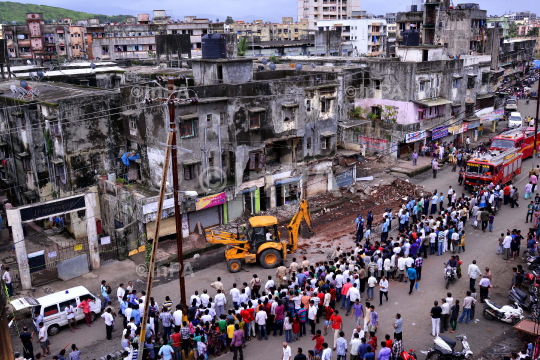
pixel 444 348
pixel 517 296
pixel 533 262
pixel 511 314
pixel 449 275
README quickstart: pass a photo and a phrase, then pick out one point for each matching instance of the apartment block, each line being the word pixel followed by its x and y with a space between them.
pixel 316 10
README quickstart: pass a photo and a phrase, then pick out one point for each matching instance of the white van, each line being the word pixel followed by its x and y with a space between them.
pixel 515 120
pixel 511 104
pixel 52 307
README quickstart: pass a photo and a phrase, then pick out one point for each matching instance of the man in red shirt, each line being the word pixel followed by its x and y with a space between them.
pixel 337 325
pixel 332 296
pixel 344 299
pixel 177 344
pixel 319 340
pixel 328 314
pixel 245 316
pixel 252 326
pixel 388 341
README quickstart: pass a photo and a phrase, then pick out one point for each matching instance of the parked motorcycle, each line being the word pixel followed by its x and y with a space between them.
pixel 533 262
pixel 511 314
pixel 410 355
pixel 444 348
pixel 517 296
pixel 450 274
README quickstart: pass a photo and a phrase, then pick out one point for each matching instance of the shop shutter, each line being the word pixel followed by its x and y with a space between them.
pixel 207 217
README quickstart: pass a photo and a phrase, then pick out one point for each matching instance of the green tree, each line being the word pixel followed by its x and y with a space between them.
pixel 512 30
pixel 229 20
pixel 533 32
pixel 242 46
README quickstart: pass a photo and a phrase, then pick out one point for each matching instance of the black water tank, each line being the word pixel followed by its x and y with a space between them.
pixel 214 46
pixel 411 37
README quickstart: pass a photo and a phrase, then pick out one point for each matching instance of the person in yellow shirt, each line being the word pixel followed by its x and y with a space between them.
pixel 462 242
pixel 230 332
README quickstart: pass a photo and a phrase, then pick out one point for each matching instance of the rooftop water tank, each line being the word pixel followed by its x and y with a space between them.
pixel 214 46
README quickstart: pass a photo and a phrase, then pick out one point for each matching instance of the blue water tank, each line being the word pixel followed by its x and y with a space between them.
pixel 411 37
pixel 214 46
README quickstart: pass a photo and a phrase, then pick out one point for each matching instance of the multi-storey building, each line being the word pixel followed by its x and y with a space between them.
pixel 287 30
pixel 360 37
pixel 315 10
pixel 79 42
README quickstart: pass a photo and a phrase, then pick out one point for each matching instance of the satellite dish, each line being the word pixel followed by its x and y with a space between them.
pixel 14 22
pixel 264 61
pixel 51 67
pixel 272 66
pixel 298 67
pixel 13 88
pixel 313 65
pixel 348 63
pixel 40 74
pixel 24 84
pixel 28 62
pixel 32 76
pixel 260 67
pixel 93 66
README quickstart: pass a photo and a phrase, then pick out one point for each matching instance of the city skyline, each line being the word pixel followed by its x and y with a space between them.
pixel 264 10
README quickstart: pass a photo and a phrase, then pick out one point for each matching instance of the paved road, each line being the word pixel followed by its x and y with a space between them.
pixel 414 309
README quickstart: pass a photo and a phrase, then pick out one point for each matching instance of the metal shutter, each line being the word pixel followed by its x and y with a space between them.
pixel 207 217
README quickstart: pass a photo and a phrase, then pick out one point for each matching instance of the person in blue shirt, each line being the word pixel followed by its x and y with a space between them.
pixel 135 313
pixel 415 214
pixel 104 294
pixel 359 229
pixel 384 229
pixel 389 218
pixel 123 307
pixel 411 274
pixel 369 355
pixel 363 349
pixel 441 201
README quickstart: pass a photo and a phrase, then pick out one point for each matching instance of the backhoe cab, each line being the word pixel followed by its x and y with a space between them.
pixel 261 242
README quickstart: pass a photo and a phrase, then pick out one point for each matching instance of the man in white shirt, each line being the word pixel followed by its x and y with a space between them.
pixel 286 352
pixel 243 297
pixel 221 301
pixel 206 318
pixel 177 317
pixel 485 284
pixel 260 319
pixel 445 316
pixel 196 298
pixel 7 280
pixel 120 293
pixel 401 268
pixel 70 314
pixel 235 294
pixel 506 245
pixel 108 322
pixel 383 289
pixel 327 352
pixel 269 284
pixel 372 281
pixel 218 285
pixel 205 298
pixel 352 295
pixel 44 339
pixel 473 272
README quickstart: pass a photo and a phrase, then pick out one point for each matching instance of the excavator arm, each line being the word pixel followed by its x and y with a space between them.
pixel 225 238
pixel 294 226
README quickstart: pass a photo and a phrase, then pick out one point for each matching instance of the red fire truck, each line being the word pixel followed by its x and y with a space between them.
pixel 494 167
pixel 521 138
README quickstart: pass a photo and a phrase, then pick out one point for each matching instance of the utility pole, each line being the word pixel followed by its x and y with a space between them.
pixel 177 211
pixel 6 348
pixel 536 124
pixel 151 266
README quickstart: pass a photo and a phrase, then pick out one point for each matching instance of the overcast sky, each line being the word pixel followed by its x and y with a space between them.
pixel 266 10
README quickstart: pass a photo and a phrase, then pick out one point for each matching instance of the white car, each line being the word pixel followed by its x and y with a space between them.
pixel 515 120
pixel 52 307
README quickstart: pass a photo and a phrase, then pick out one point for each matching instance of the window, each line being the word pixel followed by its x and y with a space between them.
pixel 222 118
pixel 326 104
pixel 55 130
pixel 26 163
pixel 210 161
pixel 377 111
pixel 377 84
pixel 187 128
pixel 456 83
pixel 471 82
pixel 132 124
pixel 325 142
pixel 308 143
pixel 61 172
pixel 288 114
pixel 255 119
pixel 189 172
pixel 485 78
pixel 64 304
pixel 150 47
pixel 422 85
pixel 308 105
pixel 209 117
pixel 50 310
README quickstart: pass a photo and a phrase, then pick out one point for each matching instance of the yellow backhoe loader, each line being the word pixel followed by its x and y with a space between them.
pixel 261 241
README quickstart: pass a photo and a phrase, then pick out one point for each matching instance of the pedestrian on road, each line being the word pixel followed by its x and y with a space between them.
pixel 411 274
pixel 337 325
pixel 70 315
pixel 260 319
pixel 286 352
pixel 445 315
pixel 414 158
pixel 26 340
pixel 44 340
pixel 372 281
pixel 326 353
pixel 485 284
pixel 341 346
pixel 454 316
pixel 105 291
pixel 473 272
pixel 237 341
pixel 398 324
pixel 358 311
pixel 383 289
pixel 385 353
pixel 435 318
pixel 85 305
pixel 319 340
pixel 435 167
pixel 108 323
pixel 374 320
pixel 467 305
pixel 7 280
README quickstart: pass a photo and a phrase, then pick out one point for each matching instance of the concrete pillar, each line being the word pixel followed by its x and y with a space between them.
pixel 14 220
pixel 91 231
pixel 272 196
pixel 493 126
